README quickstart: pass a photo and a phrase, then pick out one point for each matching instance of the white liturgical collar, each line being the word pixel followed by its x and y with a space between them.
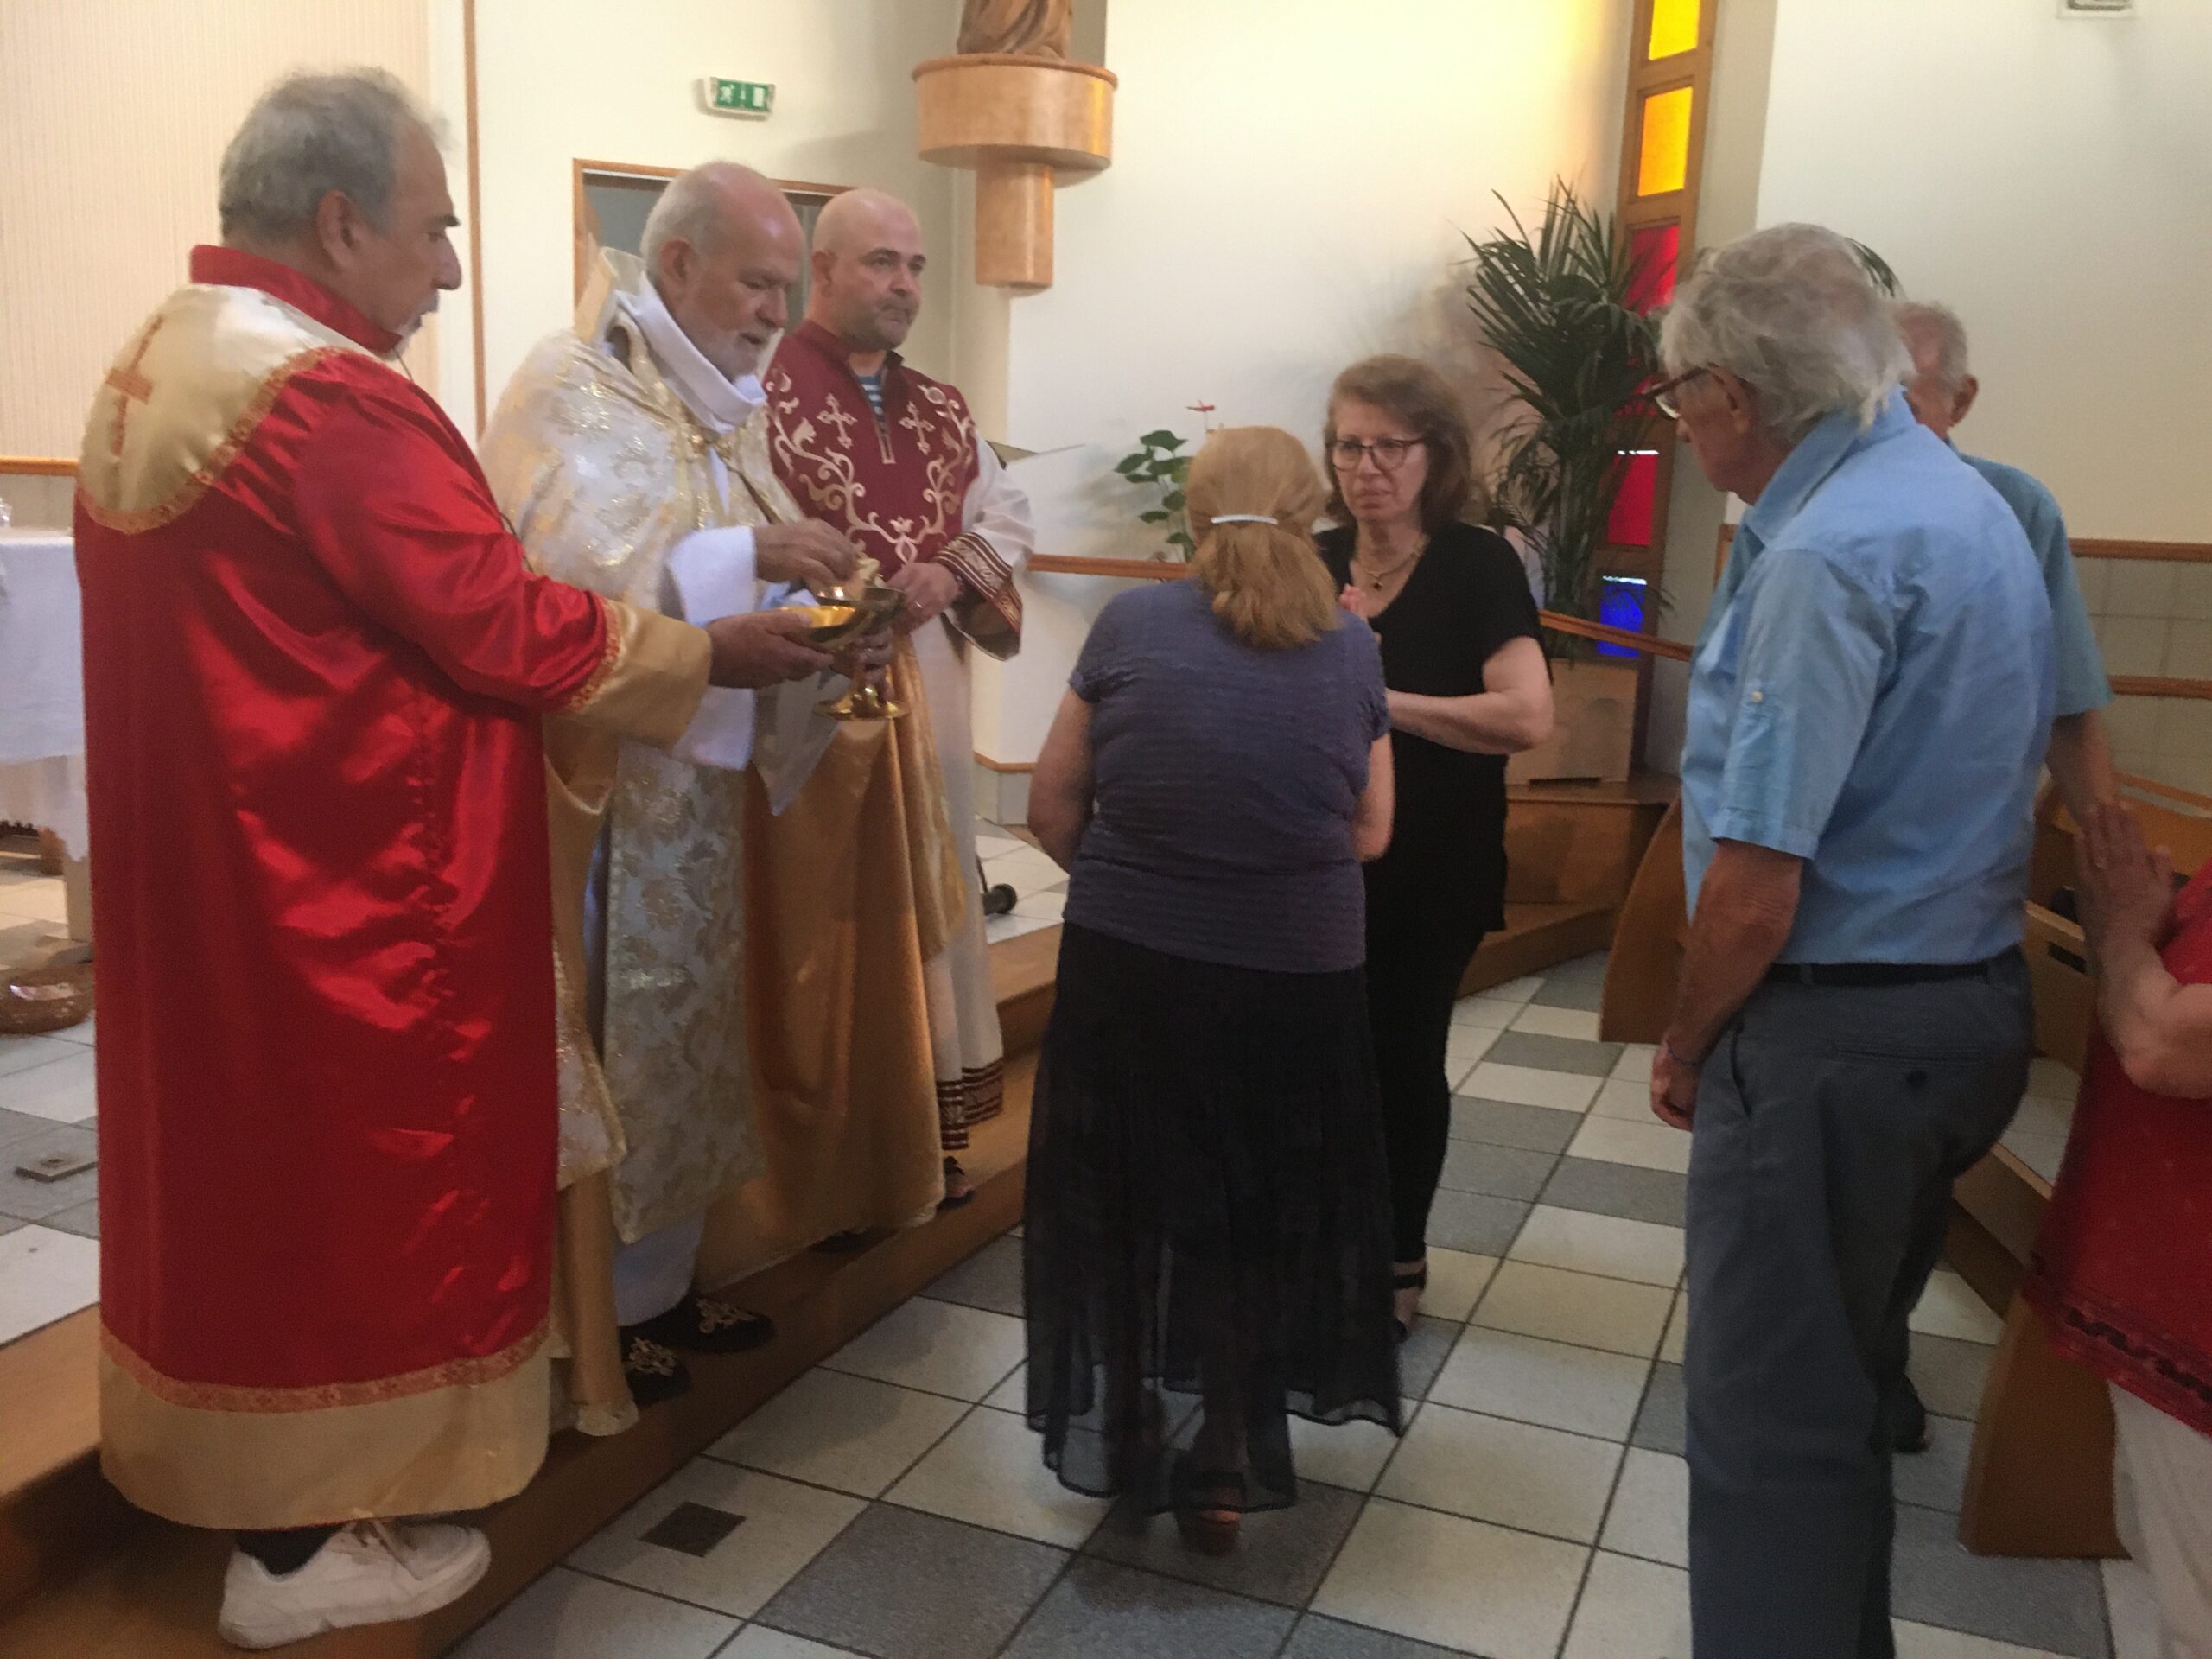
pixel 721 404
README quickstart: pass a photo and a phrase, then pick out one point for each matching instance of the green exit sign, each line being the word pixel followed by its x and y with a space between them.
pixel 740 97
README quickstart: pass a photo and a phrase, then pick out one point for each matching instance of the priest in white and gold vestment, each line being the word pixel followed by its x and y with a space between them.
pixel 631 453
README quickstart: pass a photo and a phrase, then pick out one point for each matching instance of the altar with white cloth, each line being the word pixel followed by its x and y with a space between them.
pixel 43 702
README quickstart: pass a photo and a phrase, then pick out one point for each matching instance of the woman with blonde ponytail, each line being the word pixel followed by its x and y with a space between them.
pixel 1209 1199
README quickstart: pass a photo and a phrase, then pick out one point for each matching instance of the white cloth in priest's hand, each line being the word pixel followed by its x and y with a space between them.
pixel 712 571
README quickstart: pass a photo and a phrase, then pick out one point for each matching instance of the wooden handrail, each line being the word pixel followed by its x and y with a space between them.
pixel 1649 643
pixel 37 467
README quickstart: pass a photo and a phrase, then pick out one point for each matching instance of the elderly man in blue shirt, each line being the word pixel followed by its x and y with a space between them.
pixel 1870 704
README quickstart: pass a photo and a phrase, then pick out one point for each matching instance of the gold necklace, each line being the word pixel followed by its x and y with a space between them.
pixel 1374 582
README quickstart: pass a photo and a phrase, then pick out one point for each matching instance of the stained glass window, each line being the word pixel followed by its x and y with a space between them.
pixel 1673 27
pixel 1663 163
pixel 1654 253
pixel 1630 523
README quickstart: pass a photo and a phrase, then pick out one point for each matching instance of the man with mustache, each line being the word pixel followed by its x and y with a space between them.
pixel 317 663
pixel 848 1073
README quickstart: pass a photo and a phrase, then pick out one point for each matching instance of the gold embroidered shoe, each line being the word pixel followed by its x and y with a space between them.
pixel 702 1324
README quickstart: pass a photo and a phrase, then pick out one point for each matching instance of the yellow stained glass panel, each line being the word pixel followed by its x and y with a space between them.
pixel 1673 27
pixel 1663 163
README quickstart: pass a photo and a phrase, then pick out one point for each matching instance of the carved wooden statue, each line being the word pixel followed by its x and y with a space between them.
pixel 1027 29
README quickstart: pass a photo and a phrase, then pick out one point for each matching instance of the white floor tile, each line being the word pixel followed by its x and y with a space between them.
pixel 1552 1384
pixel 991 847
pixel 1613 1314
pixel 1012 1394
pixel 1514 1474
pixel 997 929
pixel 1650 1517
pixel 1492 1012
pixel 2043 1153
pixel 1678 1330
pixel 1634 1063
pixel 938 1347
pixel 989 1472
pixel 567 1616
pixel 2053 1080
pixel 1464 1048
pixel 1027 871
pixel 35 901
pixel 81 1033
pixel 2133 1607
pixel 1349 1455
pixel 786 1525
pixel 1647 1142
pixel 61 1091
pixel 1948 1307
pixel 1626 1100
pixel 1632 1610
pixel 1605 1245
pixel 45 1276
pixel 759 1641
pixel 850 1433
pixel 22 1053
pixel 1456 1282
pixel 1927 1641
pixel 1041 906
pixel 1558 1022
pixel 2042 1116
pixel 1528 1085
pixel 1453 1582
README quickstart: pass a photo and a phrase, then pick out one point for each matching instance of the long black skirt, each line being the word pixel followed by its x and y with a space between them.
pixel 1207 1233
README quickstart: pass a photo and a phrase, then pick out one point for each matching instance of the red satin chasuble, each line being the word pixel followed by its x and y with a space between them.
pixel 315 666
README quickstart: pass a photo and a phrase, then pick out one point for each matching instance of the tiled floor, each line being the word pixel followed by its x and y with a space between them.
pixel 892 1503
pixel 1040 886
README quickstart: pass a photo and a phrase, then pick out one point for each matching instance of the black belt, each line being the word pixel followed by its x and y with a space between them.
pixel 1863 974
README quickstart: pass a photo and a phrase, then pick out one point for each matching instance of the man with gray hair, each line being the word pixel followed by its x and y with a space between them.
pixel 631 451
pixel 318 663
pixel 1869 702
pixel 1942 390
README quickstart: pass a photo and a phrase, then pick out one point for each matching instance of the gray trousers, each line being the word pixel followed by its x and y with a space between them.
pixel 1830 1125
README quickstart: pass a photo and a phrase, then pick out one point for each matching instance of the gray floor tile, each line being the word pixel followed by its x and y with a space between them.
pixel 1281 1555
pixel 1602 1188
pixel 901 1584
pixel 1937 1478
pixel 1100 1610
pixel 9 1223
pixel 1329 1638
pixel 1588 996
pixel 1499 1171
pixel 2051 1606
pixel 1663 1424
pixel 1421 1356
pixel 84 1220
pixel 1948 1373
pixel 1556 1053
pixel 1501 1123
pixel 1475 1222
pixel 990 1278
pixel 30 1200
pixel 20 1126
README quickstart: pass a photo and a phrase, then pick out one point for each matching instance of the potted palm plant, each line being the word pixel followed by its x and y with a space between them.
pixel 1556 306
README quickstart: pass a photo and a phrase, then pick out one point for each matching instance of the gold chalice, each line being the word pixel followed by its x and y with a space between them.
pixel 847 612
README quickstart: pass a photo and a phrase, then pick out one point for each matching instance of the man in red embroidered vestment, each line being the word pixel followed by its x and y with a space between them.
pixel 317 664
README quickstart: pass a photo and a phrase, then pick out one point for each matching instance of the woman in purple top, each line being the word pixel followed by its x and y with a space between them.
pixel 1209 1201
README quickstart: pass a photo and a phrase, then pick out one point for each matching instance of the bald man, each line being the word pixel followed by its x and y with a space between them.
pixel 892 458
pixel 630 454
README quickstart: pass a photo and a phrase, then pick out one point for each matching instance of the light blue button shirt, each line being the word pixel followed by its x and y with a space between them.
pixel 2082 683
pixel 1872 694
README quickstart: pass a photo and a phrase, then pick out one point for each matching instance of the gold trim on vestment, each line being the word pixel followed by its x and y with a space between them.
pixel 233 1397
pixel 435 1452
pixel 651 680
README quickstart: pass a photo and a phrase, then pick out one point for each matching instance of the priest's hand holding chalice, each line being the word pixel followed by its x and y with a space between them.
pixel 853 619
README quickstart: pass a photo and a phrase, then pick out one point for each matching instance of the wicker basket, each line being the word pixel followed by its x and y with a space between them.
pixel 33 1000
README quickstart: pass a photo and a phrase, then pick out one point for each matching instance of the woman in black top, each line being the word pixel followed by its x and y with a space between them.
pixel 1468 686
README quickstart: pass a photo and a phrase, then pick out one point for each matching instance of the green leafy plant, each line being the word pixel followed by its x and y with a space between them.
pixel 1578 356
pixel 1158 467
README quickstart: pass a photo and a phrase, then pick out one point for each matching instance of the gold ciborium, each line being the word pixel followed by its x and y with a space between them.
pixel 843 613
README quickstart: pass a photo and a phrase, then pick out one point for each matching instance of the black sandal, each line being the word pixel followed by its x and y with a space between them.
pixel 1402 1279
pixel 1209 1505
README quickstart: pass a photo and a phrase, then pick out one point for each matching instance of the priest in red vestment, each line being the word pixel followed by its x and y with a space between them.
pixel 315 667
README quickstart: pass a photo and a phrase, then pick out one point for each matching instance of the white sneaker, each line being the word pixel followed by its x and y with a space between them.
pixel 369 1573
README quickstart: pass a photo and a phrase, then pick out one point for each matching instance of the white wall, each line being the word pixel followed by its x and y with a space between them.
pixel 558 81
pixel 1288 186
